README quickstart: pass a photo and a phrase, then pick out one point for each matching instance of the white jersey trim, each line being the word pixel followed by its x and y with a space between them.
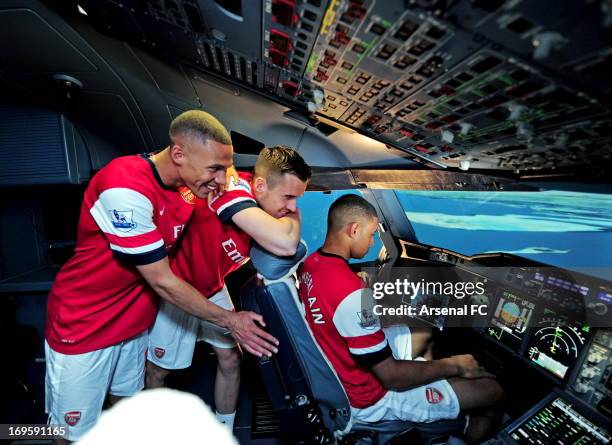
pixel 137 250
pixel 123 212
pixel 232 202
pixel 375 348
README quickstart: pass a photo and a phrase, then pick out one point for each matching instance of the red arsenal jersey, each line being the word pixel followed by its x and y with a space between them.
pixel 340 315
pixel 213 246
pixel 128 217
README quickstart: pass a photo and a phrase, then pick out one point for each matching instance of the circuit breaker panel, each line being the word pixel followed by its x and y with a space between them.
pixel 512 85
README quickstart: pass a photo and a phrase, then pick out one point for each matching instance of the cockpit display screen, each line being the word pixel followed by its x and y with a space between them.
pixel 558 422
pixel 511 319
pixel 557 342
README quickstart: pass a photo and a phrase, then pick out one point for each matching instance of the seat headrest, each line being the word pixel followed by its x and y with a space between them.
pixel 273 267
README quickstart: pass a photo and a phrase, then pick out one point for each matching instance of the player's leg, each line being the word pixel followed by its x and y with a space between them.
pixel 128 378
pixel 408 342
pixel 439 402
pixel 112 400
pixel 227 380
pixel 482 424
pixel 400 341
pixel 476 393
pixel 422 342
pixel 75 388
pixel 156 375
pixel 479 397
pixel 171 343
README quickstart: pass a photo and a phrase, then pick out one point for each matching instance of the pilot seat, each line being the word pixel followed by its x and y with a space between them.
pixel 301 384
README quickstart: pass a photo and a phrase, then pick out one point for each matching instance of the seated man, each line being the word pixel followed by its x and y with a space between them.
pixel 261 206
pixel 375 366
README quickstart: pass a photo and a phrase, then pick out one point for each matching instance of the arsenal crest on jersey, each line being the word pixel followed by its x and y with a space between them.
pixel 187 195
pixel 72 417
pixel 159 352
pixel 123 220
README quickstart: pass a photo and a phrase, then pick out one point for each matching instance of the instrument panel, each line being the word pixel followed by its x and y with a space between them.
pixel 558 322
pixel 555 420
pixel 516 86
pixel 593 379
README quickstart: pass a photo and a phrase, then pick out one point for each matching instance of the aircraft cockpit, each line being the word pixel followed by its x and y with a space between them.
pixel 479 131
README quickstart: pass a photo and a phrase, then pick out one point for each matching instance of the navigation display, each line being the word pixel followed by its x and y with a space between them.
pixel 557 342
pixel 511 319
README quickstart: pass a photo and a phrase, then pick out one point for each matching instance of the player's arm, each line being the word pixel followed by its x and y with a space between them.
pixel 279 236
pixel 369 348
pixel 400 375
pixel 125 217
pixel 242 325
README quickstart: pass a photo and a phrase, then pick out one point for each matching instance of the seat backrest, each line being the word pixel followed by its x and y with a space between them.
pixel 303 373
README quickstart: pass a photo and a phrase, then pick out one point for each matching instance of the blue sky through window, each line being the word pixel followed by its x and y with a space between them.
pixel 560 228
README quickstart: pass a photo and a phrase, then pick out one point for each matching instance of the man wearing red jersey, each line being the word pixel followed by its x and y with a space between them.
pixel 262 207
pixel 376 366
pixel 102 301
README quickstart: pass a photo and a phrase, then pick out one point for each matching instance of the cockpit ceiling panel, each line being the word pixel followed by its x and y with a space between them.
pixel 54 52
pixel 521 86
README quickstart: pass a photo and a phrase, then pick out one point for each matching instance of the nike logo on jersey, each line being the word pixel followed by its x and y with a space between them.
pixel 161 212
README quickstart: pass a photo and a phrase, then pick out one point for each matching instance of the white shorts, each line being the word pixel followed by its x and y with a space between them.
pixel 76 385
pixel 427 403
pixel 173 336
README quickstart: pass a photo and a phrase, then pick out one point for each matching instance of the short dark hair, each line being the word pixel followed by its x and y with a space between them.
pixel 347 209
pixel 281 159
pixel 200 125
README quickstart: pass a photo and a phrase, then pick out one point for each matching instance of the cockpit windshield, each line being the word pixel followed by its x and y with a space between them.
pixel 561 228
pixel 314 207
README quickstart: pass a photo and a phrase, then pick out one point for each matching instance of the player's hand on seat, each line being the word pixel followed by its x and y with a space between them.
pixel 469 368
pixel 255 340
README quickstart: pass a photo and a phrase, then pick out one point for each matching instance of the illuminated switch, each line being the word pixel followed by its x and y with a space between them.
pixel 290 88
pixel 406 132
pixel 283 12
pixel 280 41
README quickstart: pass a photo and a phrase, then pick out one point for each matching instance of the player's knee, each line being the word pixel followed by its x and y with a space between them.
pixel 477 393
pixel 492 392
pixel 424 333
pixel 155 374
pixel 421 337
pixel 229 361
pixel 497 392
